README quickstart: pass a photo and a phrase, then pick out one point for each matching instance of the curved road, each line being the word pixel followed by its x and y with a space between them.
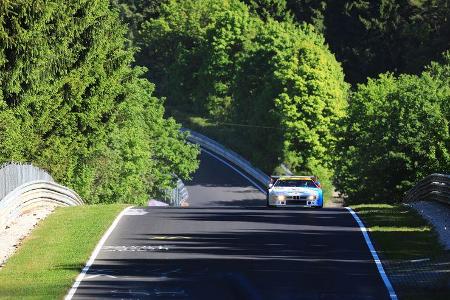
pixel 216 184
pixel 227 245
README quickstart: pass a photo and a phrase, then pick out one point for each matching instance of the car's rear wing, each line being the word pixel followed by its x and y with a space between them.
pixel 276 177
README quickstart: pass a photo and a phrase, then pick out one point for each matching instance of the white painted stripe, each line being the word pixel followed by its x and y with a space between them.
pixel 94 255
pixel 235 169
pixel 377 260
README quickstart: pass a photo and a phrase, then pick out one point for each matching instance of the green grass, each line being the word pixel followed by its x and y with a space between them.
pixel 50 259
pixel 398 232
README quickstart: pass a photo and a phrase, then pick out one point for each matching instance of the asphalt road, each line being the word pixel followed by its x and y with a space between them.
pixel 227 245
pixel 216 184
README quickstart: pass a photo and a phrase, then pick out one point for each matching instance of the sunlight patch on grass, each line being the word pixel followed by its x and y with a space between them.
pixel 399 229
pixel 398 232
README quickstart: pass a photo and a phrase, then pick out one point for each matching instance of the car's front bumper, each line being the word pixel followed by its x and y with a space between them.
pixel 294 203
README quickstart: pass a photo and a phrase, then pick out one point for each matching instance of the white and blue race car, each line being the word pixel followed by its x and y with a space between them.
pixel 299 191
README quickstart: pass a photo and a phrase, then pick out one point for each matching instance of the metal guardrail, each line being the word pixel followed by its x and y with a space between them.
pixel 435 187
pixel 33 194
pixel 24 186
pixel 230 155
pixel 176 196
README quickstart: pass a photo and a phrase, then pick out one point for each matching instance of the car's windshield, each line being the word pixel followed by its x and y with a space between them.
pixel 295 183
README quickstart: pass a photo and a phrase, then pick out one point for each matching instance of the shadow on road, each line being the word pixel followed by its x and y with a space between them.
pixel 233 253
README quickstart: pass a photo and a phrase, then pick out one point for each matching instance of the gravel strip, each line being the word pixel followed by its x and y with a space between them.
pixel 336 201
pixel 437 214
pixel 12 235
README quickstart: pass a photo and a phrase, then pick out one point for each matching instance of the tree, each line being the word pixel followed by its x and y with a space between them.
pixel 372 37
pixel 71 103
pixel 266 9
pixel 292 83
pixel 397 132
pixel 135 12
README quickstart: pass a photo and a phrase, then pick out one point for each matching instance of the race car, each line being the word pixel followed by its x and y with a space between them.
pixel 300 191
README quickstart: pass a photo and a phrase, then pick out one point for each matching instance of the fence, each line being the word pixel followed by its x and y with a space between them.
pixel 231 156
pixel 14 175
pixel 435 187
pixel 177 195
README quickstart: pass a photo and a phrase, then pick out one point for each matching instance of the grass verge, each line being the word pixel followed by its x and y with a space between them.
pixel 410 250
pixel 399 232
pixel 50 259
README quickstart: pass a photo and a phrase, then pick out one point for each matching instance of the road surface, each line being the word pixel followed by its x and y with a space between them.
pixel 227 245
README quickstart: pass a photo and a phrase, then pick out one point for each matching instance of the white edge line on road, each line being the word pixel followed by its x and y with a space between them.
pixel 240 173
pixel 377 260
pixel 94 255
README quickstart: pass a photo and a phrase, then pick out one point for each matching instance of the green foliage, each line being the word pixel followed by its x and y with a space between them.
pixel 371 37
pixel 134 12
pixel 173 48
pixel 266 9
pixel 378 36
pixel 368 37
pixel 397 132
pixel 71 103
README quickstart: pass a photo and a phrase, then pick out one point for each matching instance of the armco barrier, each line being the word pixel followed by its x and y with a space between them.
pixel 231 156
pixel 435 187
pixel 31 193
pixel 177 195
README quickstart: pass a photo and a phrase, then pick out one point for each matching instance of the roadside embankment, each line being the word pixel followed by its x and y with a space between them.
pixel 51 257
pixel 13 233
pixel 416 262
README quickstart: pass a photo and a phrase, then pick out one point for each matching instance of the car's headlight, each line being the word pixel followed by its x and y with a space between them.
pixel 311 197
pixel 280 197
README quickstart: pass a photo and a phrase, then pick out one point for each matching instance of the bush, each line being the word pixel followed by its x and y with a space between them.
pixel 396 133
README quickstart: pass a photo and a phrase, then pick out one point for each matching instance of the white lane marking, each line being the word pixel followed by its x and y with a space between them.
pixel 377 260
pixel 98 275
pixel 132 292
pixel 136 212
pixel 419 260
pixel 239 172
pixel 134 248
pixel 163 237
pixel 94 255
pixel 177 292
